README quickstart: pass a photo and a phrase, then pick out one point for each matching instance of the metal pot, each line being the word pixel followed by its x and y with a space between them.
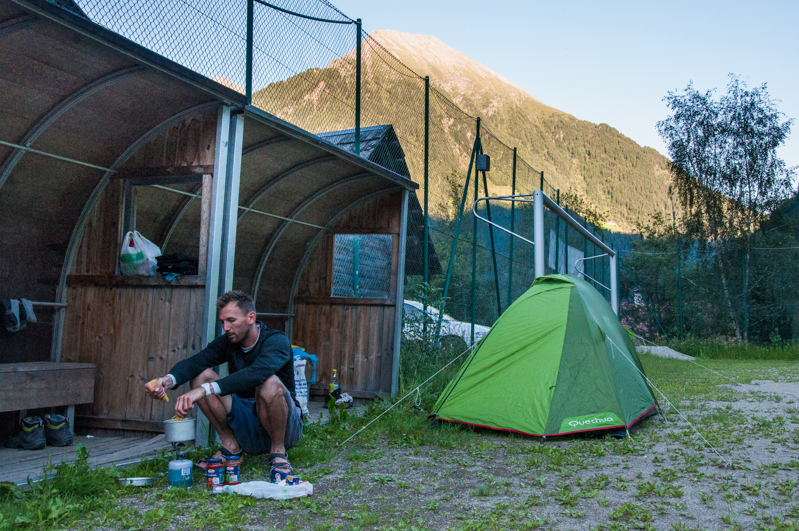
pixel 179 430
pixel 136 482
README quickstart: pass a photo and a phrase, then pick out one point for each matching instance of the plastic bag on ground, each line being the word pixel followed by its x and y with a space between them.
pixel 138 255
pixel 265 489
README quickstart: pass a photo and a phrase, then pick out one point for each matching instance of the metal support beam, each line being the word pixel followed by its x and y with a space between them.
pixel 403 236
pixel 215 234
pixel 231 206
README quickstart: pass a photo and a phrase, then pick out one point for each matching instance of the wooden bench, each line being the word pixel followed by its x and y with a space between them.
pixel 41 384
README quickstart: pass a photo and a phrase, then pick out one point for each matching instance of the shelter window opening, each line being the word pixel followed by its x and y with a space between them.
pixel 362 265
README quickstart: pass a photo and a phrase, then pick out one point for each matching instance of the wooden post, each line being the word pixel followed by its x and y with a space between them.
pixel 205 224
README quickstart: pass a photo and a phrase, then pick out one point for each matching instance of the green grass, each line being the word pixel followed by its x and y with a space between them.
pixel 737 351
pixel 552 474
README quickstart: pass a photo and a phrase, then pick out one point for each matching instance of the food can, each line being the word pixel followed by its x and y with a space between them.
pixel 215 473
pixel 232 469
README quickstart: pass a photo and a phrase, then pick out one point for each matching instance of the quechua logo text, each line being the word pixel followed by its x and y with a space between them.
pixel 590 422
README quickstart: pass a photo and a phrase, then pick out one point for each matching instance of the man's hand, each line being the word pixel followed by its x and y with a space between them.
pixel 156 389
pixel 185 402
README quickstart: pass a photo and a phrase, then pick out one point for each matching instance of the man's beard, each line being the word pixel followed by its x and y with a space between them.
pixel 244 338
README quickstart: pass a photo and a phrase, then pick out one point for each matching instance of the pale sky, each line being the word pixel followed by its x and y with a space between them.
pixel 613 62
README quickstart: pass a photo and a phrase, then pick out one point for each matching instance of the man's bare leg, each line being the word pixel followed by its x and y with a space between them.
pixel 216 408
pixel 273 412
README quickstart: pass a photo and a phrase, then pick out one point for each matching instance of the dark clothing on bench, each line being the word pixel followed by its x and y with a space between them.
pixel 271 354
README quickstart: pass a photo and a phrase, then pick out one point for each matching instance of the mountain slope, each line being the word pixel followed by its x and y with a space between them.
pixel 621 179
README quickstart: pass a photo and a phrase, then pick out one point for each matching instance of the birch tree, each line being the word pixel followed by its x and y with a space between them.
pixel 725 167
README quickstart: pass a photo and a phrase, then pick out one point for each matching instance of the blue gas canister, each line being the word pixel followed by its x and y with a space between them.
pixel 180 473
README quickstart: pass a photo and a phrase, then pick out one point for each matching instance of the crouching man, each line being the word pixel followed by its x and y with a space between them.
pixel 253 409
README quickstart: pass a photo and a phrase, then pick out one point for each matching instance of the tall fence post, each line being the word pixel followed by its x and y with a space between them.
pixel 557 237
pixel 585 250
pixel 746 312
pixel 614 283
pixel 357 147
pixel 679 260
pixel 474 235
pixel 454 249
pixel 566 248
pixel 248 73
pixel 538 233
pixel 426 199
pixel 512 223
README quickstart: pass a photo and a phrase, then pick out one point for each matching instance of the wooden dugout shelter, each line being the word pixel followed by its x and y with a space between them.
pixel 100 136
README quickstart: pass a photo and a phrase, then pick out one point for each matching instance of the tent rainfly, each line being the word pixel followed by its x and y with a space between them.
pixel 556 362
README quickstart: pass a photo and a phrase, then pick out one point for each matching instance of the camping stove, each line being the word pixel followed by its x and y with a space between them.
pixel 181 434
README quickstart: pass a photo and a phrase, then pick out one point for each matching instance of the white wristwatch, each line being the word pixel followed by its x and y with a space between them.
pixel 207 387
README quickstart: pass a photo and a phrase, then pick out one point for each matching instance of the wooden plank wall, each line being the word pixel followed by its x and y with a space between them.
pixel 134 328
pixel 132 334
pixel 354 336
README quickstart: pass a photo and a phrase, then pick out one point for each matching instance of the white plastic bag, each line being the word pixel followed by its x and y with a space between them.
pixel 301 384
pixel 265 489
pixel 138 255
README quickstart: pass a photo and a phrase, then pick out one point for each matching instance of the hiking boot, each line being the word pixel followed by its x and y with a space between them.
pixel 31 437
pixel 56 430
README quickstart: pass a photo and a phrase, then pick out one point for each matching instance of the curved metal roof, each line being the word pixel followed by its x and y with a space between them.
pixel 72 89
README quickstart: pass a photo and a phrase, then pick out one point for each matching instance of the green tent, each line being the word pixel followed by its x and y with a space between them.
pixel 556 362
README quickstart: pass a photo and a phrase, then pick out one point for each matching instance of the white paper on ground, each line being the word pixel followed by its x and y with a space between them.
pixel 265 489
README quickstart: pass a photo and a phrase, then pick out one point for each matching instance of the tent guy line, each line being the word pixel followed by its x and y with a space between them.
pixel 692 361
pixel 415 390
pixel 728 463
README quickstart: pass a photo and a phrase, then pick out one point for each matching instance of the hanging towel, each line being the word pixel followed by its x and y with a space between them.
pixel 11 311
pixel 27 306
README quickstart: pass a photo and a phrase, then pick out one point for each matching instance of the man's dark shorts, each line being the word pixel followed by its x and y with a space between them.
pixel 251 436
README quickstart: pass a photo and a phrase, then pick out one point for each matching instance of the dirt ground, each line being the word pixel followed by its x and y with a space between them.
pixel 742 472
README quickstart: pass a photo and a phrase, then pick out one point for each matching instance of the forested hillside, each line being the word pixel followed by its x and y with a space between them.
pixel 622 180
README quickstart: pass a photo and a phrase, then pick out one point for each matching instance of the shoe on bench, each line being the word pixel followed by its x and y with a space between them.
pixel 56 430
pixel 31 437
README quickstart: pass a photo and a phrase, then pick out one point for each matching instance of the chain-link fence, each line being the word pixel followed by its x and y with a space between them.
pixel 306 62
pixel 676 288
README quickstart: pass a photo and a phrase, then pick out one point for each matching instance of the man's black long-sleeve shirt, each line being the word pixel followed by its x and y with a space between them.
pixel 271 354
